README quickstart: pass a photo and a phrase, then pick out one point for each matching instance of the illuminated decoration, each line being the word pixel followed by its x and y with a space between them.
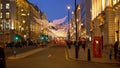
pixel 56 29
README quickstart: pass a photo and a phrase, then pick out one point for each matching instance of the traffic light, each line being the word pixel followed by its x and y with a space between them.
pixel 17 37
pixel 44 38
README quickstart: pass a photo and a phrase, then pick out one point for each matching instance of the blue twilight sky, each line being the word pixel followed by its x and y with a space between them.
pixel 54 9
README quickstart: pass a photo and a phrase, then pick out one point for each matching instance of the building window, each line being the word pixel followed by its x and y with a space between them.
pixel 107 3
pixel 1 15
pixel 1 6
pixel 7 26
pixel 7 14
pixel 7 6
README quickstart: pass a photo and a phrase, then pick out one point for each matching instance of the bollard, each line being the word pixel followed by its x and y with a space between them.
pixel 89 56
pixel 76 51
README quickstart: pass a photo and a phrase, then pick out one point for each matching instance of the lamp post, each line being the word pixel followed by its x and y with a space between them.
pixel 68 7
pixel 76 19
pixel 76 44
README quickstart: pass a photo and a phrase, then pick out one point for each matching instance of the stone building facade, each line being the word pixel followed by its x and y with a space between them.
pixel 105 20
pixel 17 21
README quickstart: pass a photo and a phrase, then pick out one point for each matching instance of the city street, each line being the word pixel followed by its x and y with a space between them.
pixel 60 34
pixel 54 57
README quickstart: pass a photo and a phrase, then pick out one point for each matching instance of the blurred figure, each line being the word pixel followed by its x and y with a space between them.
pixel 79 42
pixel 2 57
pixel 115 50
pixel 68 42
pixel 110 52
pixel 83 44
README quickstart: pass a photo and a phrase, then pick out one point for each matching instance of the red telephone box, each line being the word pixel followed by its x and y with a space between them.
pixel 97 47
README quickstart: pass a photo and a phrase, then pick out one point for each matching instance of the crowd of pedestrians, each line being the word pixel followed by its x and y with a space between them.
pixel 79 43
pixel 18 44
pixel 113 49
pixel 21 44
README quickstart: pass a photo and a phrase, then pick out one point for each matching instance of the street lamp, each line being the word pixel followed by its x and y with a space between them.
pixel 68 7
pixel 75 19
pixel 76 45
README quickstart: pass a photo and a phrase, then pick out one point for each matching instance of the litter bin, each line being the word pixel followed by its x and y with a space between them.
pixel 2 58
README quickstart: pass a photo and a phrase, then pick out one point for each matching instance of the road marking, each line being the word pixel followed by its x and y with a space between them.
pixel 66 56
pixel 49 55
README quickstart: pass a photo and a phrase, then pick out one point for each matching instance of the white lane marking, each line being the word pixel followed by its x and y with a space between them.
pixel 49 55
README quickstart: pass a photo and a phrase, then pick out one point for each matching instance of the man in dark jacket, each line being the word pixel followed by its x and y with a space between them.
pixel 2 58
pixel 115 50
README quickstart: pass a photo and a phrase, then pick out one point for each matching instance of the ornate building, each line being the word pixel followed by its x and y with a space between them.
pixel 86 15
pixel 17 21
pixel 105 20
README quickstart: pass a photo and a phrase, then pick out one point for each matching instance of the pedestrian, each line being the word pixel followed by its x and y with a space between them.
pixel 115 50
pixel 2 57
pixel 84 44
pixel 110 52
pixel 79 44
pixel 68 43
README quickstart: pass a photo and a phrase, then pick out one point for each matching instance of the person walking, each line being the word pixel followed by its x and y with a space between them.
pixel 84 44
pixel 79 44
pixel 115 50
pixel 2 57
pixel 68 43
pixel 110 52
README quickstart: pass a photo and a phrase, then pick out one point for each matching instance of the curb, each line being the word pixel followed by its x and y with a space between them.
pixel 25 54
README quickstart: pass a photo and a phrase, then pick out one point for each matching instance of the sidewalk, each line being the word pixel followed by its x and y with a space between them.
pixel 10 51
pixel 25 54
pixel 82 55
pixel 22 52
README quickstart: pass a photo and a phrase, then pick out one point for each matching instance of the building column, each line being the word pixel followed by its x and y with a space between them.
pixel 109 26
